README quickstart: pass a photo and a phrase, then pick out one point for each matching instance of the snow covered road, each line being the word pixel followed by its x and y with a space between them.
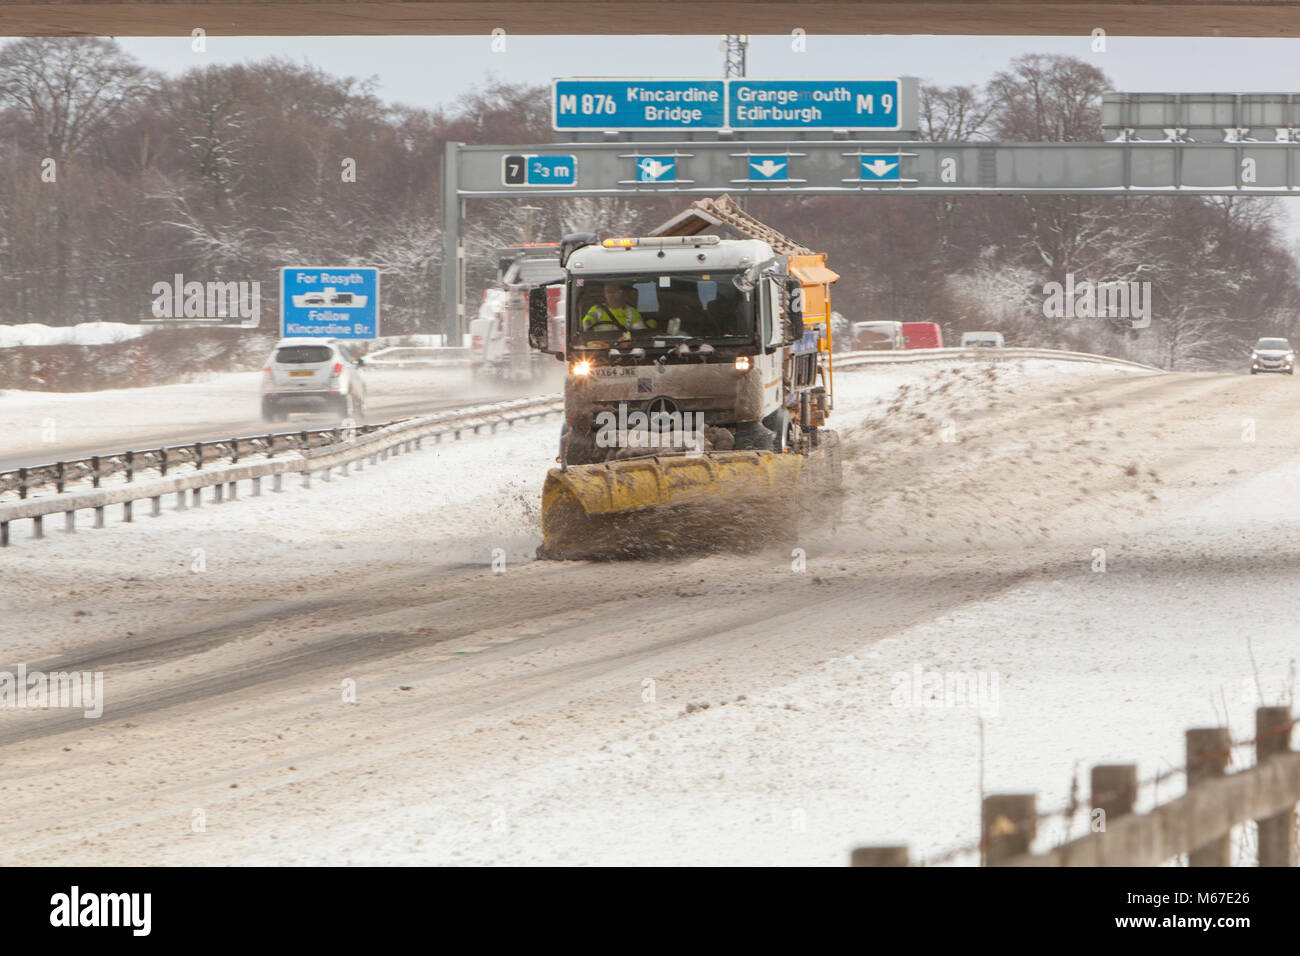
pixel 41 427
pixel 339 675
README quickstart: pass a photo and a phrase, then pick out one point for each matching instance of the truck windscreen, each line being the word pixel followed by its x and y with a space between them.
pixel 674 306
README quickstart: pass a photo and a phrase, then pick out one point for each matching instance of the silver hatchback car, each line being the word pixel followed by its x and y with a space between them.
pixel 312 375
pixel 1272 355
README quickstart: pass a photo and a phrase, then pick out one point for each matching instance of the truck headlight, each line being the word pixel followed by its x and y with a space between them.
pixel 742 363
pixel 580 367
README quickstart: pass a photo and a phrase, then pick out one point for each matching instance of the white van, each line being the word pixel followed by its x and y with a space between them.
pixel 982 340
pixel 878 336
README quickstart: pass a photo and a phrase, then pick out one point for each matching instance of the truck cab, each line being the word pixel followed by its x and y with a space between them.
pixel 721 329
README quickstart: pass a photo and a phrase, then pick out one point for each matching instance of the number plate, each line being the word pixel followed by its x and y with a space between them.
pixel 307 373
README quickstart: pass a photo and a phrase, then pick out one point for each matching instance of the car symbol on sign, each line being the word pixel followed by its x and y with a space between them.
pixel 656 169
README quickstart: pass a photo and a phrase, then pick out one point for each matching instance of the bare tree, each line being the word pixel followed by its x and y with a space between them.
pixel 70 89
pixel 1048 98
pixel 954 114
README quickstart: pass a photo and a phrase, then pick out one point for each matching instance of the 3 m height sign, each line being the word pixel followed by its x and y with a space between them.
pixel 594 104
pixel 333 303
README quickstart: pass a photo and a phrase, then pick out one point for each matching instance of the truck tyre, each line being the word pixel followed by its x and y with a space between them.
pixel 779 424
pixel 754 436
pixel 576 448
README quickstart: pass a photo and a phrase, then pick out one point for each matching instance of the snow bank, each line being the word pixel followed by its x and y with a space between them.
pixel 87 333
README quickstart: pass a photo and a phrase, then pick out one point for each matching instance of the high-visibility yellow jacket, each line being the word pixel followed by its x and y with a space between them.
pixel 601 318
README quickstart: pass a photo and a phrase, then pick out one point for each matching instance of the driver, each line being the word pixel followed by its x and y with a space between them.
pixel 616 313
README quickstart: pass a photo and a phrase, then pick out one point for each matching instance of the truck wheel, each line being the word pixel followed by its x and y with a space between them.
pixel 779 424
pixel 754 436
pixel 576 448
pixel 270 413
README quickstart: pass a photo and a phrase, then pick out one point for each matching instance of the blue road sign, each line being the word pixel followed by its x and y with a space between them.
pixel 340 303
pixel 533 169
pixel 618 104
pixel 656 169
pixel 771 169
pixel 813 104
pixel 880 169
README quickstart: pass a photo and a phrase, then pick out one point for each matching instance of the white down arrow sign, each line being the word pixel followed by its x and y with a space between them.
pixel 880 167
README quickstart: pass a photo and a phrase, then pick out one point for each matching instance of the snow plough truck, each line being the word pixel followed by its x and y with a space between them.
pixel 698 389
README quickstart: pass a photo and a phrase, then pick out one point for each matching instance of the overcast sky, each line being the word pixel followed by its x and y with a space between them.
pixel 434 71
pixel 430 71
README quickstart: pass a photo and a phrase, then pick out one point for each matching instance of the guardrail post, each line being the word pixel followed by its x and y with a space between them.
pixel 1277 834
pixel 198 455
pixel 69 521
pixel 270 446
pixel 879 856
pixel 216 493
pixel 4 534
pixel 197 498
pixel 234 451
pixel 180 500
pixel 58 477
pixel 257 487
pixel 129 457
pixel 157 505
pixel 126 511
pixel 325 474
pixel 39 527
pixel 22 482
pixel 162 461
pixel 1208 750
pixel 278 484
pixel 306 479
pixel 99 516
pixel 1009 823
pixel 94 471
pixel 232 490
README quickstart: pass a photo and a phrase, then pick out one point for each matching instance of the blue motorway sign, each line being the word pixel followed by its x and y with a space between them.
pixel 534 169
pixel 881 169
pixel 656 169
pixel 618 104
pixel 773 169
pixel 334 303
pixel 813 104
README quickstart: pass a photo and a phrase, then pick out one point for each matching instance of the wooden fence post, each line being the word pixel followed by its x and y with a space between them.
pixel 1208 749
pixel 1277 834
pixel 1114 790
pixel 879 856
pixel 1009 823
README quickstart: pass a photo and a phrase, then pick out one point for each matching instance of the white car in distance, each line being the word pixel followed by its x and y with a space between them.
pixel 312 375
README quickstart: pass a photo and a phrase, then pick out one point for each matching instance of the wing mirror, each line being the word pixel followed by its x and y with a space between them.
pixel 794 306
pixel 539 319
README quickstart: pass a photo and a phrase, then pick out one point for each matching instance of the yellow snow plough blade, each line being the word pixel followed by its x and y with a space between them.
pixel 668 504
